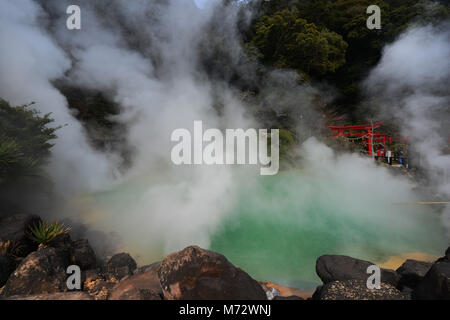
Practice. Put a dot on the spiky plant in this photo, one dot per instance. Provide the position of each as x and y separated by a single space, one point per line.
44 232
11 248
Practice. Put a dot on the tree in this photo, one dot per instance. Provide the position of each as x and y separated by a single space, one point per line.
286 40
24 148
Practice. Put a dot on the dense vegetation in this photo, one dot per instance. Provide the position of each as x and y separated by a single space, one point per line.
25 146
327 40
286 40
24 142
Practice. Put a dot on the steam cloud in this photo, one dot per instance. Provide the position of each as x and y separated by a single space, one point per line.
146 54
411 83
30 60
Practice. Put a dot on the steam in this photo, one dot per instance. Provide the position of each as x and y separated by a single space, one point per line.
411 83
29 61
146 55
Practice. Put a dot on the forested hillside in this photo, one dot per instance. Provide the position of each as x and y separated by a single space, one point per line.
328 40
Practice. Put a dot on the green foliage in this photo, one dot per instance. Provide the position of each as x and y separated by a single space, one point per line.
92 106
11 248
289 41
44 232
286 142
24 143
275 31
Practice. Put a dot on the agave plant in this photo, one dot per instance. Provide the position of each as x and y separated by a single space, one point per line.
10 248
44 232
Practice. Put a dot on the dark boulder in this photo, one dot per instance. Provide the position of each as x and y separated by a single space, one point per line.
198 274
316 294
14 228
42 271
120 266
143 285
412 272
356 290
435 285
7 266
83 255
331 268
445 258
77 295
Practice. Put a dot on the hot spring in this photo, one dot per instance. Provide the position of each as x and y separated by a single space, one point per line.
275 227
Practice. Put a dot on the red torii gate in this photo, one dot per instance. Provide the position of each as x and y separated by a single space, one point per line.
365 131
355 131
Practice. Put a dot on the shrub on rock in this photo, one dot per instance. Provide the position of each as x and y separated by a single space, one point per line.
15 227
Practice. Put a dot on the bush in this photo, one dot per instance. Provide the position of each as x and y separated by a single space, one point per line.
44 232
25 147
11 248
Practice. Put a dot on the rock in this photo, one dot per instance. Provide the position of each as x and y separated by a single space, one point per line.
154 266
331 268
271 292
445 258
435 285
407 292
42 271
412 272
288 298
356 290
7 266
77 295
92 275
14 228
120 266
316 294
96 284
143 285
62 241
197 274
83 255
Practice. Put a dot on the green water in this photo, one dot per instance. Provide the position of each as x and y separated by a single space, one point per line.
280 226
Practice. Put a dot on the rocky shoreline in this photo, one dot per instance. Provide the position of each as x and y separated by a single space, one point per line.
40 273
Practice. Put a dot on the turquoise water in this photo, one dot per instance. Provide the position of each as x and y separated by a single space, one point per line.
280 227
